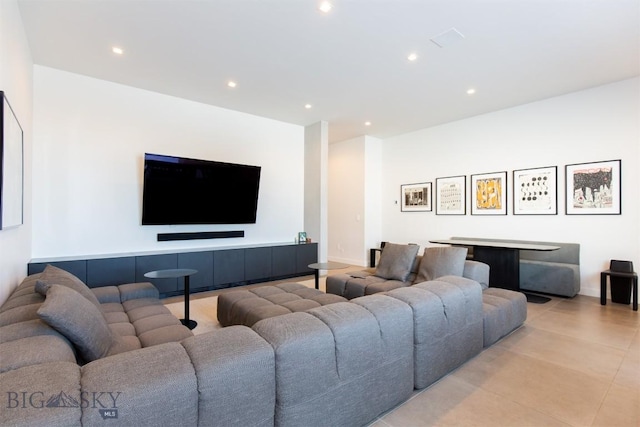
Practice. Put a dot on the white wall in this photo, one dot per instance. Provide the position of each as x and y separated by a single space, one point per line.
591 125
90 137
346 202
355 180
16 80
372 194
316 142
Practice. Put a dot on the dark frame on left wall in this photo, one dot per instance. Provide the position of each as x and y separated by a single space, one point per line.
11 167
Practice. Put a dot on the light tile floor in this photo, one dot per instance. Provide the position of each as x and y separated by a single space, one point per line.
573 363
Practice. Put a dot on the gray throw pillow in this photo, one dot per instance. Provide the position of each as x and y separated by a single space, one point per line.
69 313
441 261
396 261
57 276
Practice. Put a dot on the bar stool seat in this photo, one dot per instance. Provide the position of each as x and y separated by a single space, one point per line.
621 270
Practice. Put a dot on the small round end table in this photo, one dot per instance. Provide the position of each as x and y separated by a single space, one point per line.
317 266
175 273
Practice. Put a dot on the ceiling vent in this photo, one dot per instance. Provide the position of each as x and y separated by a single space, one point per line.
448 38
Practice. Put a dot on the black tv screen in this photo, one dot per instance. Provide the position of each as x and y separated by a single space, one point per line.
179 190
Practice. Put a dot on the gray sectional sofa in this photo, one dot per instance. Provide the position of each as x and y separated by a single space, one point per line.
323 361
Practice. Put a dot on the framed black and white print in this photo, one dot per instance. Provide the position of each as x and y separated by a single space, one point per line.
416 197
489 194
451 195
594 188
535 191
11 167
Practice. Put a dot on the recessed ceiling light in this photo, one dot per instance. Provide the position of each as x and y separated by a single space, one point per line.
307 106
231 83
367 123
471 91
412 56
325 6
117 50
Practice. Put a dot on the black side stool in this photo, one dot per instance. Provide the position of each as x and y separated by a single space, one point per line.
621 276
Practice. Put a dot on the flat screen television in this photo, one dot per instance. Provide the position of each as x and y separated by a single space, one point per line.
179 190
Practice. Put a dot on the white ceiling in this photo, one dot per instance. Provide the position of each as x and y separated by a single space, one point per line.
350 64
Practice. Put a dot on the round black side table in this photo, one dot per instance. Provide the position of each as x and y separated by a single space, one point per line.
317 266
176 273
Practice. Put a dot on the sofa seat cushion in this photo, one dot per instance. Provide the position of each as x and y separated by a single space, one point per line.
111 307
149 323
123 329
107 295
370 285
22 300
78 320
503 311
30 328
138 290
165 334
246 307
34 351
19 314
116 317
122 344
360 283
130 305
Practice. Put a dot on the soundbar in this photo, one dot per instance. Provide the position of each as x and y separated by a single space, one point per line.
166 237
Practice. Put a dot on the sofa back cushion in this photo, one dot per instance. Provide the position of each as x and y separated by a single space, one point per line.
57 276
78 320
396 261
441 261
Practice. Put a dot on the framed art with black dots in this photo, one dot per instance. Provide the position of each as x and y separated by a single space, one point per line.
535 191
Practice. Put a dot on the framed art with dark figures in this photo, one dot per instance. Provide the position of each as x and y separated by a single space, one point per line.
594 188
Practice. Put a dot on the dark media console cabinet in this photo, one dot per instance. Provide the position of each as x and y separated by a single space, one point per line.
218 268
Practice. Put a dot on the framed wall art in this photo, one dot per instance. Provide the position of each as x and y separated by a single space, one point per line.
489 194
451 195
416 197
535 191
594 188
11 167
